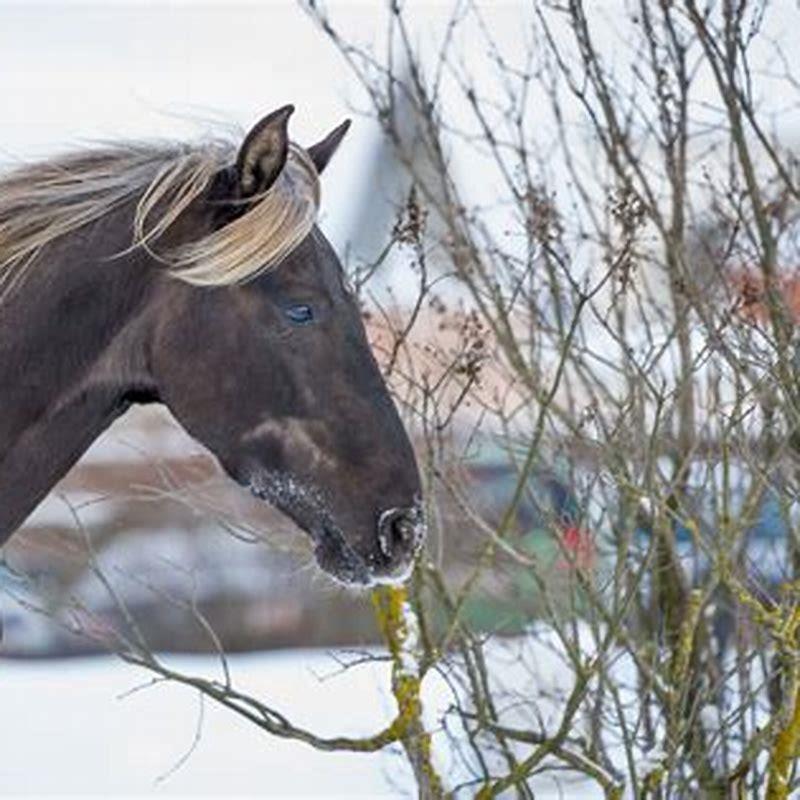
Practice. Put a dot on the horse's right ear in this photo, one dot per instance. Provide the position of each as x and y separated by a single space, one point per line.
263 153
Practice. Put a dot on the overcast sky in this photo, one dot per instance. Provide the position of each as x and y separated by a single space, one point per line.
72 73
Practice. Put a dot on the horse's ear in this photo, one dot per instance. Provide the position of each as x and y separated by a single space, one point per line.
322 151
263 153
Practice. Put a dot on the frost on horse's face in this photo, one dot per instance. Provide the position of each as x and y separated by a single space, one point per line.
231 308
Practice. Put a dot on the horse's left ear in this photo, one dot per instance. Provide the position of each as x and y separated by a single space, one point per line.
264 152
322 151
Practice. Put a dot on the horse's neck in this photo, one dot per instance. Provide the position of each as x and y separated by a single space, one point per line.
70 338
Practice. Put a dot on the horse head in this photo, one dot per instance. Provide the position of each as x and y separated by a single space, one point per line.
273 372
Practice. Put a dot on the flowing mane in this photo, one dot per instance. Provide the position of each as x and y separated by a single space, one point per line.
39 203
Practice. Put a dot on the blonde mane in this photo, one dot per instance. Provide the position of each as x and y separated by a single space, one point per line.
43 202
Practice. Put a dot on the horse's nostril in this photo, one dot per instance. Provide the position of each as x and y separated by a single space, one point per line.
398 534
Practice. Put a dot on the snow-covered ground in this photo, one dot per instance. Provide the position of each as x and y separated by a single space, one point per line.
71 728
98 727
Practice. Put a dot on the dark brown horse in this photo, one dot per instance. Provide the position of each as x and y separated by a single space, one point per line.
196 277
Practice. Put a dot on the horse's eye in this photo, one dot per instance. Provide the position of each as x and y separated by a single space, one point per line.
300 314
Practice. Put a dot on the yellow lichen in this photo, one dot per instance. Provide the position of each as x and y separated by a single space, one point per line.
391 610
784 751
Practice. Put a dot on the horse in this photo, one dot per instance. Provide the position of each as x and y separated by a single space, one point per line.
196 276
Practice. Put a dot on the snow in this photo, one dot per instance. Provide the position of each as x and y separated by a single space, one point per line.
77 727
70 727
409 649
98 727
